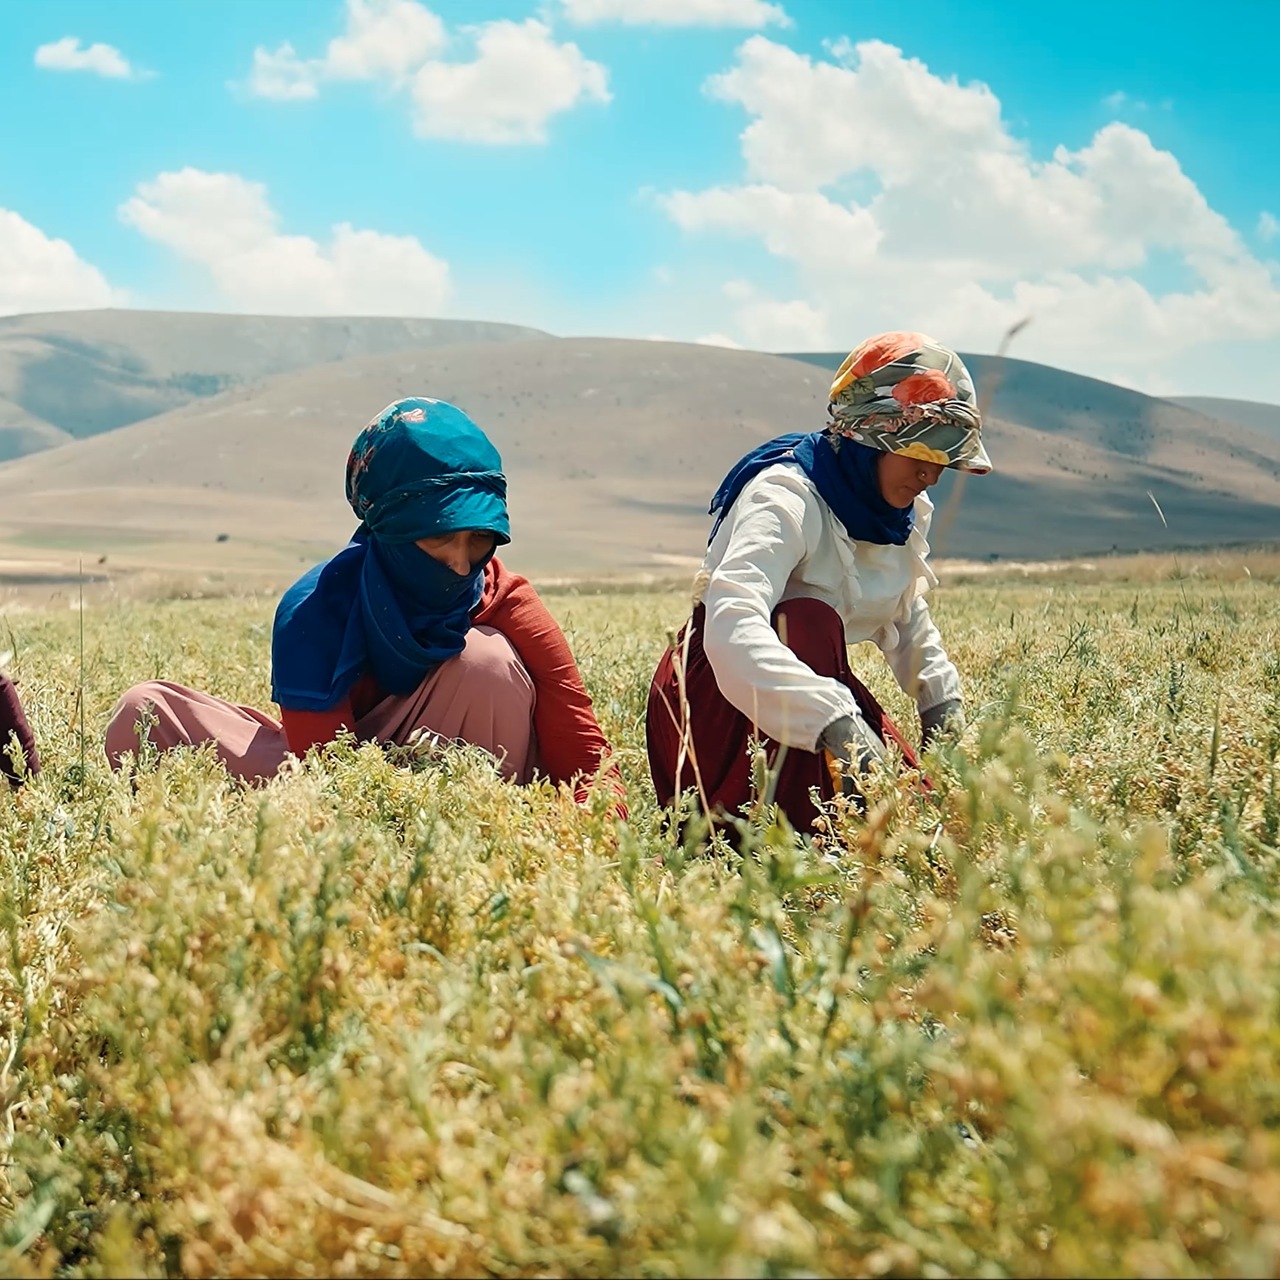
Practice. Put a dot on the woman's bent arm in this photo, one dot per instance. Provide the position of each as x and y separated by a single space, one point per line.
919 662
571 743
769 530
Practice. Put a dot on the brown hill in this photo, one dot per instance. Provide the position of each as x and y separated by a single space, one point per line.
1254 414
613 448
73 374
22 432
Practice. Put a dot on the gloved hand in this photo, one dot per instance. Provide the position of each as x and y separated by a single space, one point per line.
851 747
944 717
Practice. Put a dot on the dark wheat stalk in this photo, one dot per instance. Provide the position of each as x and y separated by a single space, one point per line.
985 400
80 681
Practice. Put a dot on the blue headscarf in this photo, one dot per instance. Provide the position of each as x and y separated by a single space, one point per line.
844 474
382 604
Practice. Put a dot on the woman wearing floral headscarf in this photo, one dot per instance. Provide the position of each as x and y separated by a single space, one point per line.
819 542
413 628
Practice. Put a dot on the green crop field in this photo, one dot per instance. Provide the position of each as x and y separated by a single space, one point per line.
395 1017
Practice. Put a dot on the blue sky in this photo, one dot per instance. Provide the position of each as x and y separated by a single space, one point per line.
789 175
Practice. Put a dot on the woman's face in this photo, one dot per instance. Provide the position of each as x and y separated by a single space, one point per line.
462 550
902 479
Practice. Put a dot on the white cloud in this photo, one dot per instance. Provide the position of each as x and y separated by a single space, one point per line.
1121 101
226 224
284 76
384 39
101 59
1268 226
517 80
960 230
38 273
718 340
677 13
815 122
770 324
791 223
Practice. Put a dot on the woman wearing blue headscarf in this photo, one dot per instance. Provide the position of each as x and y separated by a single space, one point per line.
414 627
819 542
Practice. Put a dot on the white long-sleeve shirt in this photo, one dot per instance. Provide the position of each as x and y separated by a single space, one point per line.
779 541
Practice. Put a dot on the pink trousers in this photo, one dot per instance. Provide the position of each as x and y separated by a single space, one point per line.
483 697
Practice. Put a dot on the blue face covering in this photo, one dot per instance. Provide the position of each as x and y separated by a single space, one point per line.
382 605
844 474
416 612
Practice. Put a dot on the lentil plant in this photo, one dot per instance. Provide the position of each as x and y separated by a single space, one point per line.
395 1017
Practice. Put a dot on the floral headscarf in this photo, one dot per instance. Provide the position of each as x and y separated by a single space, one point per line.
905 393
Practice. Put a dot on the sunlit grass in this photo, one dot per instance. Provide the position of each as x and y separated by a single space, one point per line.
375 1019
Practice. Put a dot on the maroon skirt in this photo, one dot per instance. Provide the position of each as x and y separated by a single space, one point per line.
719 734
14 722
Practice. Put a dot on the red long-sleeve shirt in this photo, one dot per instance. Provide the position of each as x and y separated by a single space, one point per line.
570 741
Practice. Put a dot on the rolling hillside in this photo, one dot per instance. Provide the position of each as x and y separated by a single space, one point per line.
613 448
1262 418
69 375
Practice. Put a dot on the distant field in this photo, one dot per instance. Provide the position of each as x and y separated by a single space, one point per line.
403 1019
36 571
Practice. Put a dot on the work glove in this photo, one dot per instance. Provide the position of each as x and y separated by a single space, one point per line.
850 747
944 717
